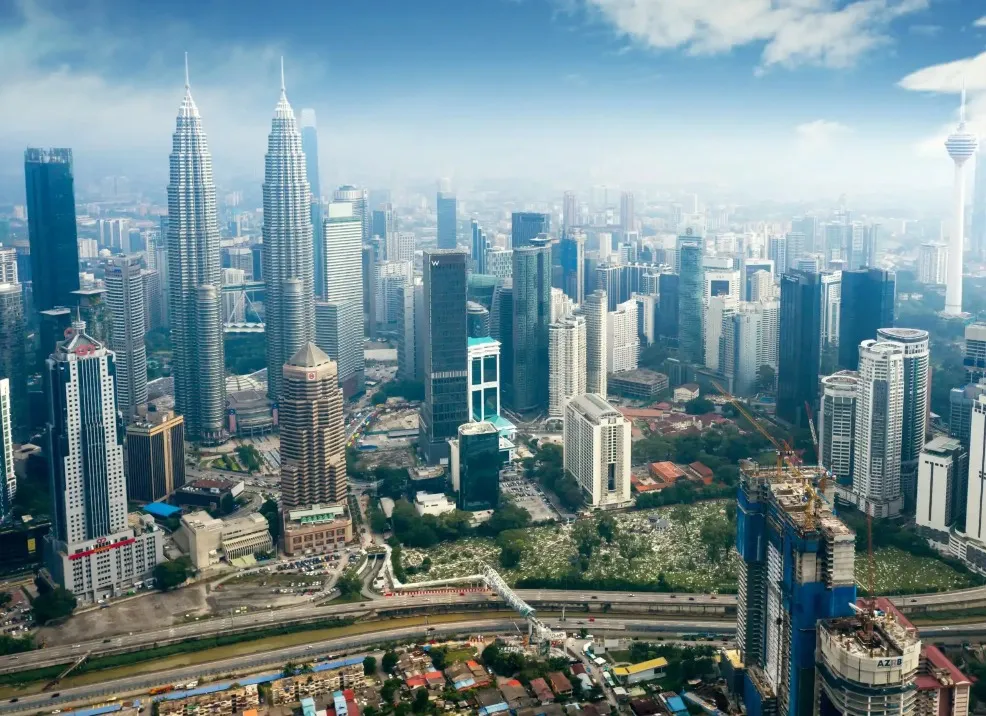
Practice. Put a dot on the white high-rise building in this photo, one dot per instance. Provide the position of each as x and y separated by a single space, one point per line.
628 219
289 320
720 282
933 264
193 281
500 262
561 305
570 211
234 305
917 395
837 423
718 310
961 145
596 442
339 319
939 479
566 361
400 246
975 506
596 341
831 304
359 198
8 477
484 379
646 317
93 550
762 286
8 265
741 347
770 327
879 427
125 298
622 341
392 276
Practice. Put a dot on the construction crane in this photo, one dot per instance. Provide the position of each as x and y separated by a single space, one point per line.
822 472
784 453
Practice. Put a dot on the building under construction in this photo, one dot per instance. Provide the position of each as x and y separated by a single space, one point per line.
867 664
797 570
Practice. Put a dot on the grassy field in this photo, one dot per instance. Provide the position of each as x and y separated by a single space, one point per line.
897 572
639 552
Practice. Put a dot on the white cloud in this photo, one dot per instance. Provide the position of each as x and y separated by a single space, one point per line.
820 133
981 22
828 33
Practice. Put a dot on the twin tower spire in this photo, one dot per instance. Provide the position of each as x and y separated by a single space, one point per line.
284 98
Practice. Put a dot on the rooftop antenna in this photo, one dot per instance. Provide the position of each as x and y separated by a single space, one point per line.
282 74
961 105
187 83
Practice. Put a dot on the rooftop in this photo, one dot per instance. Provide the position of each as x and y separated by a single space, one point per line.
658 663
942 445
640 375
593 406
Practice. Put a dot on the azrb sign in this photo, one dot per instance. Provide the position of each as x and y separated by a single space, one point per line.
889 663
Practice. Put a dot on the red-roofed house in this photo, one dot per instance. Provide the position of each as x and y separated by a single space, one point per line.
559 684
666 472
541 691
703 471
435 679
415 682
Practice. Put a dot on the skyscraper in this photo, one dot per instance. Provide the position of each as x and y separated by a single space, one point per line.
594 308
961 145
8 477
361 206
155 451
532 315
480 244
287 244
406 333
667 307
526 225
780 601
13 357
309 145
502 329
194 280
975 352
628 220
446 403
837 424
690 347
566 354
933 262
917 395
475 463
125 297
339 319
448 219
975 504
91 548
622 339
867 305
942 474
879 427
799 355
831 307
572 249
50 186
313 434
596 441
569 212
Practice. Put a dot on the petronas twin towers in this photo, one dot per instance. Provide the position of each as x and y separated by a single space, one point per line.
194 292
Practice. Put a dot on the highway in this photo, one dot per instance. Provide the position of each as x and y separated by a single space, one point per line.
688 605
276 659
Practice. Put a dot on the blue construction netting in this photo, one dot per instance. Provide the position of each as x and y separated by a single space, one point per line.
96 711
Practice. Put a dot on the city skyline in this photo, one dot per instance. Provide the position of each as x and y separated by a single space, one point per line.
847 92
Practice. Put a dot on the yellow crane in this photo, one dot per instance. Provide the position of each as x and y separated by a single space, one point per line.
784 452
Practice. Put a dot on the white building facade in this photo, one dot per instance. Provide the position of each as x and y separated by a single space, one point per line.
622 341
566 360
597 450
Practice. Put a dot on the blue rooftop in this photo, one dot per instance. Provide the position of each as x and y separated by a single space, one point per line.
162 510
485 340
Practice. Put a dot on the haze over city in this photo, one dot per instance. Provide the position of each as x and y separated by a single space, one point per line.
786 101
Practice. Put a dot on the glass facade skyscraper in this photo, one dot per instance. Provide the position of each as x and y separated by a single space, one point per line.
446 403
526 225
690 280
799 354
448 219
867 305
478 448
50 186
532 316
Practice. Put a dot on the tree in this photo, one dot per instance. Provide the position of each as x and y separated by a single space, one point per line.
420 704
389 661
5 599
510 554
606 527
438 656
53 605
227 505
369 666
270 510
717 535
168 575
699 406
289 669
508 516
349 585
766 379
378 398
390 687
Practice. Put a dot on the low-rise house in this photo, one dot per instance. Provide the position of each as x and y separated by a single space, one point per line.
217 703
560 684
292 689
542 692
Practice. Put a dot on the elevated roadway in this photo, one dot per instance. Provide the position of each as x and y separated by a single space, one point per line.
685 606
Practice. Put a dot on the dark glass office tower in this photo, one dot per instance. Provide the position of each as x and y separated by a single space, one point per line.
478 466
13 358
690 345
502 329
526 225
51 226
532 316
446 404
868 297
309 145
480 245
572 248
448 217
667 306
799 353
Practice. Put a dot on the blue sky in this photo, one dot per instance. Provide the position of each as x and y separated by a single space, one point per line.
788 96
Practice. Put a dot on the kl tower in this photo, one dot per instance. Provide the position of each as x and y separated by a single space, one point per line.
961 145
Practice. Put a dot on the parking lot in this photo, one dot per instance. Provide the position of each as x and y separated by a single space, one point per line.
526 494
15 614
